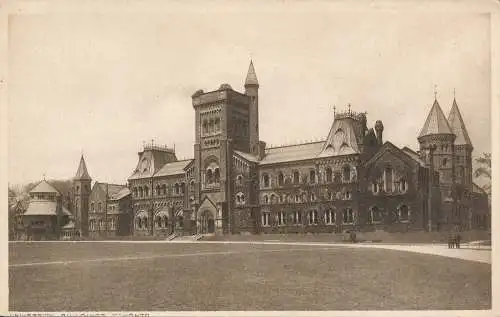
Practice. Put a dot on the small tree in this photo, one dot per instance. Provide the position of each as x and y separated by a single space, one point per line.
483 171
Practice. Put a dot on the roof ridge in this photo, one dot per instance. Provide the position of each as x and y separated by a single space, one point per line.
290 145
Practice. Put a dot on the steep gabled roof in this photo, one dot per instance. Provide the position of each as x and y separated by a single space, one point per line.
414 155
82 173
389 147
251 76
458 126
436 122
341 139
44 187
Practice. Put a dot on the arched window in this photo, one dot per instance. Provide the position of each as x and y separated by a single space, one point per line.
205 126
158 190
164 189
165 221
135 191
145 222
239 180
158 222
191 185
404 213
388 179
141 192
211 126
273 198
328 174
266 217
444 162
312 176
99 207
146 191
217 124
375 188
209 177
217 175
266 199
183 188
346 173
297 218
101 224
281 218
347 195
404 185
313 217
92 207
375 215
281 179
138 222
347 216
296 177
265 180
329 217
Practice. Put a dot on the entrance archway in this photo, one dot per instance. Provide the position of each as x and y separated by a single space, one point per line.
207 222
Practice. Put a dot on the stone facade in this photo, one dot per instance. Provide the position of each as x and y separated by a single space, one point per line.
351 180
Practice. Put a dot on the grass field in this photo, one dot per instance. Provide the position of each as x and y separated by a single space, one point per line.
167 276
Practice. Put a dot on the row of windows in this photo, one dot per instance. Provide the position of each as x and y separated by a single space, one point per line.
302 198
330 216
283 218
346 175
211 125
160 222
94 225
177 189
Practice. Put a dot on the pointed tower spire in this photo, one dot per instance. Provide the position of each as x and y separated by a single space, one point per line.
82 173
251 79
458 126
436 122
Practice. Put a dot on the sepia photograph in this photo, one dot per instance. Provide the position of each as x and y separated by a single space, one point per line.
226 156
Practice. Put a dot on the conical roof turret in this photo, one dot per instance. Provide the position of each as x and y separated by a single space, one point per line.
82 173
251 79
436 122
458 126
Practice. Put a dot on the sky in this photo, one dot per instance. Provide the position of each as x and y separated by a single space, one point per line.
102 83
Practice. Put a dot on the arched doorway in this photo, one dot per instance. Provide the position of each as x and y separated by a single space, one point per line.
207 222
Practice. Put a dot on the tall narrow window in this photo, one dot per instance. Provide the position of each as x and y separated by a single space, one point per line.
313 217
329 217
281 179
403 213
146 191
217 175
297 218
312 176
328 174
296 177
265 179
375 215
209 177
348 216
266 219
281 218
388 179
346 171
